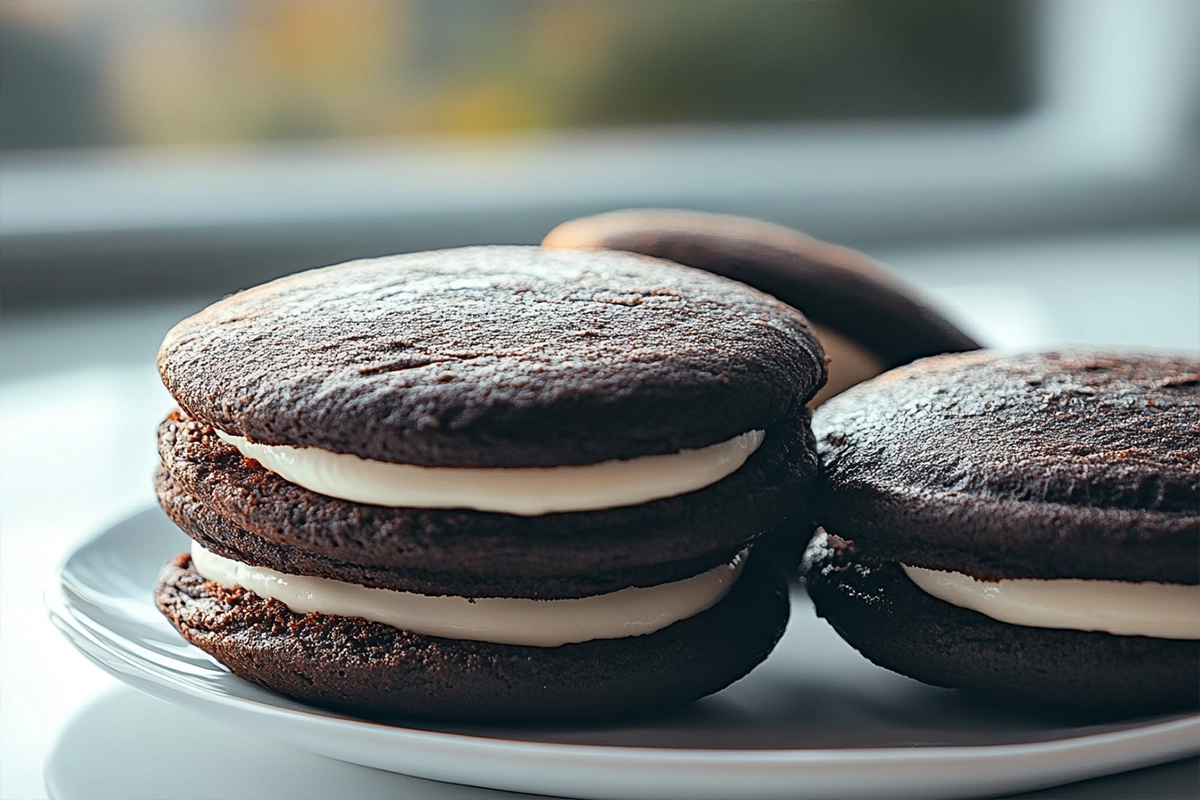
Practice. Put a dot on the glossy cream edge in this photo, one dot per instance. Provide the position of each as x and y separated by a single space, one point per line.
1156 610
522 491
634 611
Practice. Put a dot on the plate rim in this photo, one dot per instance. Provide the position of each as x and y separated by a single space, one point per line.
1161 740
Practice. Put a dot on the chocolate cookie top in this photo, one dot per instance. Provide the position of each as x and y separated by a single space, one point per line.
1053 465
494 356
834 286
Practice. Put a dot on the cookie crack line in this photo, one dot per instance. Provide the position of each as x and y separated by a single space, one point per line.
418 363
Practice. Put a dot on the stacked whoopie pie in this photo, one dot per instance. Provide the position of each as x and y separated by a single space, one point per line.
490 483
1026 526
868 319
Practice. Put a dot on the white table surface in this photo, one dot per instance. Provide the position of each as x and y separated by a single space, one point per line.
79 403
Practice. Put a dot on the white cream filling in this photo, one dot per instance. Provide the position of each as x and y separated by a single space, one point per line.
527 491
849 364
503 620
1160 610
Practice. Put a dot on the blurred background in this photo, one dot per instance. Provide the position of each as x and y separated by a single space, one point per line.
153 148
1034 165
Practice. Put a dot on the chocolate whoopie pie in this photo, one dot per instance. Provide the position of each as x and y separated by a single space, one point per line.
868 319
499 483
1026 526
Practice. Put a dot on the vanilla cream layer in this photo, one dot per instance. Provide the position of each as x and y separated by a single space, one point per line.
1160 610
527 491
503 620
849 364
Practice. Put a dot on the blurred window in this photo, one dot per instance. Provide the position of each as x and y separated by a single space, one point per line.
75 73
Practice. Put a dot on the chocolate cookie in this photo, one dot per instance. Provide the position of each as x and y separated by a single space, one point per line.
494 357
489 483
869 320
377 671
237 508
995 522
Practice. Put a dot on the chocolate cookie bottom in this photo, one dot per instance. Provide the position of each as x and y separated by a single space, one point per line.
876 608
368 669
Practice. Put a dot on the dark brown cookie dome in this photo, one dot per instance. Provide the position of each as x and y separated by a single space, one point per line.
494 356
834 286
1056 465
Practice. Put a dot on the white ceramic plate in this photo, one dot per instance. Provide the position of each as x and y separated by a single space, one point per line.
815 720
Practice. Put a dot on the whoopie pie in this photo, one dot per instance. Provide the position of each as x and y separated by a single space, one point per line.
1023 526
502 483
